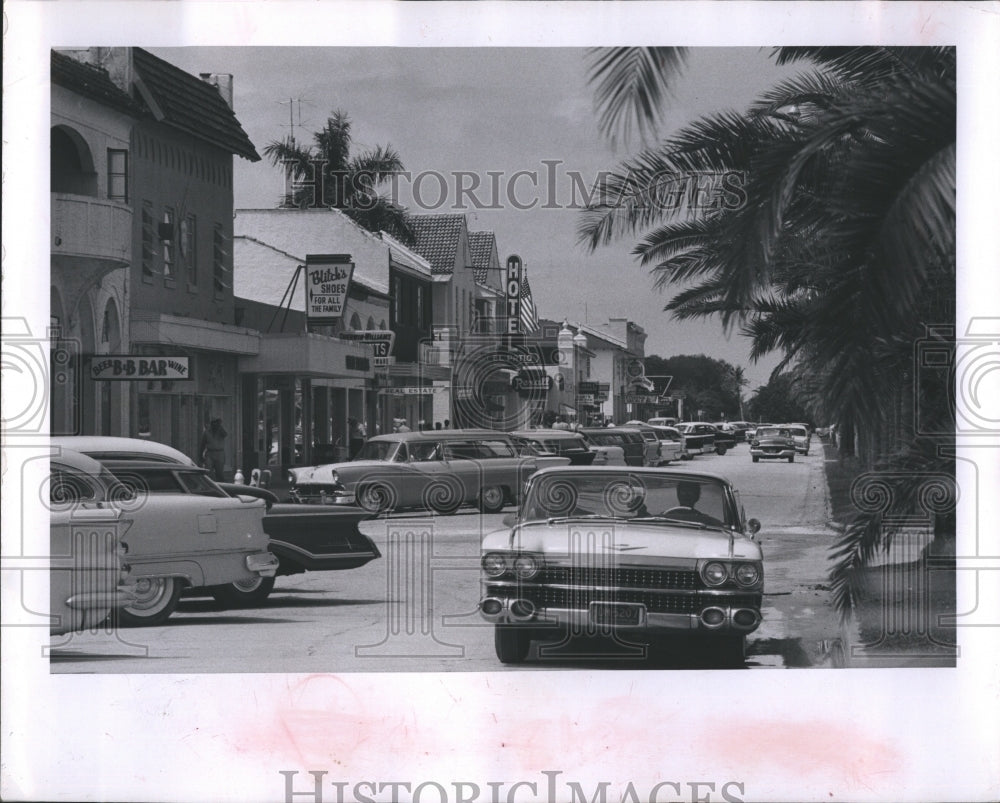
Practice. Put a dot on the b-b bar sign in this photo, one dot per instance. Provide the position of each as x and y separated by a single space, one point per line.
126 367
328 278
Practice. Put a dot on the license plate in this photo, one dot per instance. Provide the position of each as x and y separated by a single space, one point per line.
612 613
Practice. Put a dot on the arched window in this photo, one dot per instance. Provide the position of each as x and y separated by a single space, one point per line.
71 163
371 323
355 322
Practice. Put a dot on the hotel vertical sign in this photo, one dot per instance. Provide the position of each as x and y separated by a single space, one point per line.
514 271
328 279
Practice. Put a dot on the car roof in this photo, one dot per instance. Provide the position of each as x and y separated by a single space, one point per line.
76 460
121 448
546 433
644 471
439 434
150 465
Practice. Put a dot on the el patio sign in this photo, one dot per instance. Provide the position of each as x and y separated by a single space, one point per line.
126 367
328 279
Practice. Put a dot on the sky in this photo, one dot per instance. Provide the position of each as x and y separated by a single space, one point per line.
491 110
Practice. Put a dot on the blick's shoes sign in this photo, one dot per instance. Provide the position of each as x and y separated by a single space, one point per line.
125 367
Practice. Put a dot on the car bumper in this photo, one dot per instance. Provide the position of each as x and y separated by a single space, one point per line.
783 454
263 563
323 499
654 623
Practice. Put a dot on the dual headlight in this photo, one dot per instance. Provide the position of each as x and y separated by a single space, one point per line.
715 573
523 566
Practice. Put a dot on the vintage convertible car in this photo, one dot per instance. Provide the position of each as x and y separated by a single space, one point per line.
646 555
302 538
439 471
772 443
88 573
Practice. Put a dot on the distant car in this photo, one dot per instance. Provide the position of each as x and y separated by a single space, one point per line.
89 576
558 442
772 443
303 538
699 437
671 441
630 440
662 421
439 471
675 557
740 429
801 438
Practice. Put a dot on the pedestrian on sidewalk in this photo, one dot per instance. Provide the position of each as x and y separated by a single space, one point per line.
212 449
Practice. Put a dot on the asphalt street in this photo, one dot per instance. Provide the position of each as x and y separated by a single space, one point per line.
415 609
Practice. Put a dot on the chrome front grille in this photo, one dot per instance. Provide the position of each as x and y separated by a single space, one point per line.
621 577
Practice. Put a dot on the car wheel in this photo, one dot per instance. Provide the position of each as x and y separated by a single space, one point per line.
756 459
791 459
442 497
686 456
720 450
156 599
245 593
492 499
377 498
512 643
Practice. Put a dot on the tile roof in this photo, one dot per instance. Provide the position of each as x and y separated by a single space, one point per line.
91 81
437 239
481 244
193 105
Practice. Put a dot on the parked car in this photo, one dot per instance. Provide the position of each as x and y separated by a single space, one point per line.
740 429
651 453
88 573
556 442
670 440
772 443
604 454
675 557
193 535
630 440
302 537
699 438
662 421
439 471
800 437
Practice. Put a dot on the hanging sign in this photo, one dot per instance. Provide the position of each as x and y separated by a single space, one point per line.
514 273
380 340
328 278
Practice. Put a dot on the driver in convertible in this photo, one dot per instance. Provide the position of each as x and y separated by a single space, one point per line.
688 494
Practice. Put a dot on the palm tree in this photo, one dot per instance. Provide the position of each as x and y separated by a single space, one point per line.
841 243
348 183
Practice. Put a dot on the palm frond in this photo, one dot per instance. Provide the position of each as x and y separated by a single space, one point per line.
630 86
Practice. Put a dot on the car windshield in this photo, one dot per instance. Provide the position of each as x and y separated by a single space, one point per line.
654 498
772 432
604 438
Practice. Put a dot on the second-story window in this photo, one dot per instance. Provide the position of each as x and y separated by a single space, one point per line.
188 251
397 301
148 247
168 233
420 307
219 254
118 175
